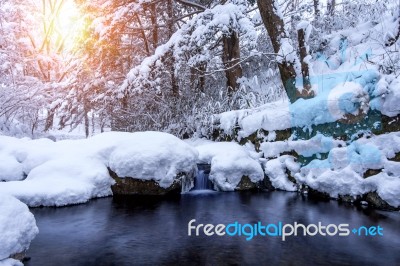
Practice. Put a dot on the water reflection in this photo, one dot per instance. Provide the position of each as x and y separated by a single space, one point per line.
152 231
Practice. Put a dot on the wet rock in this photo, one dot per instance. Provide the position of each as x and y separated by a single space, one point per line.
19 256
246 184
372 172
266 183
396 158
317 195
134 186
376 201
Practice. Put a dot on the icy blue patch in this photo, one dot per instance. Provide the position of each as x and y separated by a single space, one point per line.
346 103
321 164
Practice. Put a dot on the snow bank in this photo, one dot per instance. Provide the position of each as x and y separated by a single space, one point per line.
327 107
74 171
316 145
270 117
153 156
342 173
229 163
17 228
10 168
277 172
10 262
349 78
60 182
353 76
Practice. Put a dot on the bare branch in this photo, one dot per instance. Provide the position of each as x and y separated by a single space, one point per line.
189 3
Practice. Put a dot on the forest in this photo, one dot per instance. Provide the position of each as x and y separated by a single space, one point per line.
163 65
154 120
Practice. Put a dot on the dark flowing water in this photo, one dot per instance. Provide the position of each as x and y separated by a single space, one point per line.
145 231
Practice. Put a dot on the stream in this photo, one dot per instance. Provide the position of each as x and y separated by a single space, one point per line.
148 231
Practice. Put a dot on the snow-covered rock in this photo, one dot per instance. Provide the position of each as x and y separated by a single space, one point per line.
10 262
277 171
17 228
153 156
230 163
307 148
10 168
344 171
74 171
61 182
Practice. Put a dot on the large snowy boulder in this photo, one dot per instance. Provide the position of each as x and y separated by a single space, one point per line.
75 171
280 172
61 182
152 163
17 228
366 169
233 167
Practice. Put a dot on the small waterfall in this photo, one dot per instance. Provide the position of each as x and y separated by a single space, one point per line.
201 181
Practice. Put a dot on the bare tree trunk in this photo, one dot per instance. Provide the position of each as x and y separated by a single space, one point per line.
197 76
304 65
153 9
317 12
231 60
143 33
86 119
273 21
331 7
170 12
202 78
276 31
50 117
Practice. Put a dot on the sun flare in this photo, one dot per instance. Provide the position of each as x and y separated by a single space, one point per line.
67 18
62 22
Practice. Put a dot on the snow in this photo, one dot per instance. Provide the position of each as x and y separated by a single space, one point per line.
387 187
74 171
229 163
17 228
197 34
307 148
60 182
276 169
10 169
346 77
335 183
153 156
286 52
306 27
270 117
10 262
345 98
342 173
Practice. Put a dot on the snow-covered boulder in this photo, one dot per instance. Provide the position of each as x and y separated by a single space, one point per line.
346 173
74 171
232 166
280 172
10 168
17 228
10 262
61 182
152 163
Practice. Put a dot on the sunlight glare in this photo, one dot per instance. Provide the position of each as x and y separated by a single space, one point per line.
64 15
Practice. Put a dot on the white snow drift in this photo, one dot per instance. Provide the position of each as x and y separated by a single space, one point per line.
229 163
17 228
342 173
74 171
